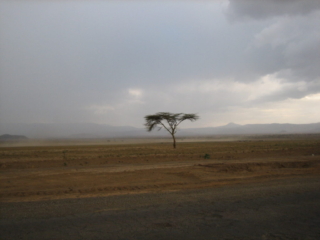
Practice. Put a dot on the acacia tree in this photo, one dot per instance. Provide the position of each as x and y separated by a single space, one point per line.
172 121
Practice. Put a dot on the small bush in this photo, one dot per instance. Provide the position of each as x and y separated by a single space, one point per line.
206 156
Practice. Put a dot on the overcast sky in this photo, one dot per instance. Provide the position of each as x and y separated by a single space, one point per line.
113 62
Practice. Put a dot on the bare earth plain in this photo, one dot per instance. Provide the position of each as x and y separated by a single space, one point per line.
132 175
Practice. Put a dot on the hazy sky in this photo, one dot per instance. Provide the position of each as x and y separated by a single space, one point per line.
113 62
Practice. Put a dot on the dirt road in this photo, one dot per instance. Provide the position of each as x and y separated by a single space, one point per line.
275 209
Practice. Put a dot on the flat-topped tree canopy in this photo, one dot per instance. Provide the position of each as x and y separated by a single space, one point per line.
169 121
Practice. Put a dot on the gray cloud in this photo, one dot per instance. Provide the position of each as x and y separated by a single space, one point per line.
295 42
260 9
114 62
288 45
292 91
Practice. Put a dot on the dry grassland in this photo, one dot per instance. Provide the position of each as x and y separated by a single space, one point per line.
32 173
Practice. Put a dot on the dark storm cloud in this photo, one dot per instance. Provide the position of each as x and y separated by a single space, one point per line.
287 46
291 41
260 9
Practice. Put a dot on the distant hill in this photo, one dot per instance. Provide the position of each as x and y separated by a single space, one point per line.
8 137
274 128
91 130
231 125
68 130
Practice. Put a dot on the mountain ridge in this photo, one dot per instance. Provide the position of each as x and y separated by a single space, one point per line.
9 137
93 130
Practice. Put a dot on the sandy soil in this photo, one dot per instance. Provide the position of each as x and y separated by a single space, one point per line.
57 172
245 189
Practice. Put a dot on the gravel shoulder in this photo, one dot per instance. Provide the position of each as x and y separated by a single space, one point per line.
287 208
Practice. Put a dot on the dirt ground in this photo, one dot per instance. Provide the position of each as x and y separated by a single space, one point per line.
61 171
243 187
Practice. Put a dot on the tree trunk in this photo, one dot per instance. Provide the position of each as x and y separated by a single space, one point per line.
174 141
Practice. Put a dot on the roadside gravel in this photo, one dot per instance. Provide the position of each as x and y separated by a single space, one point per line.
279 209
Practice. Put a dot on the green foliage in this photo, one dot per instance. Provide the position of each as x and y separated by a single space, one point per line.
206 156
169 121
172 120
